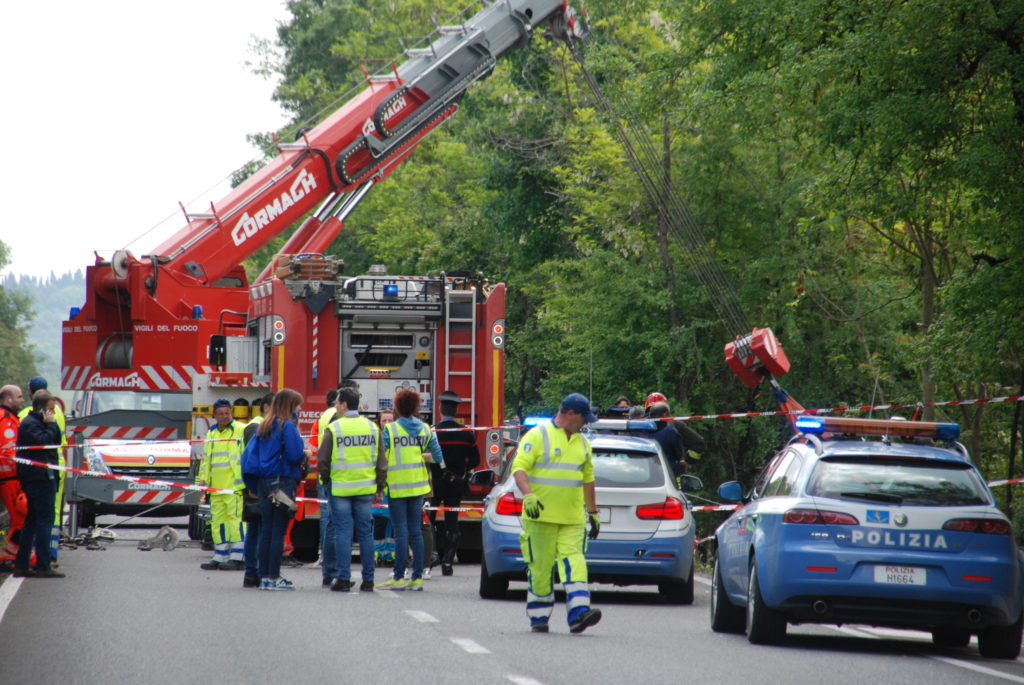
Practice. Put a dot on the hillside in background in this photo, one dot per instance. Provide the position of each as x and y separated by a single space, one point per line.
51 297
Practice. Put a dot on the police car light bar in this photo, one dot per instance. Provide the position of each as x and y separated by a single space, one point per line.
818 425
531 421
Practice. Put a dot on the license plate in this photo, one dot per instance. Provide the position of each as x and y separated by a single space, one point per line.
900 575
605 514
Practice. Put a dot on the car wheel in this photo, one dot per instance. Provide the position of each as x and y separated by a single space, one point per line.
1001 642
491 588
678 591
765 626
951 637
726 617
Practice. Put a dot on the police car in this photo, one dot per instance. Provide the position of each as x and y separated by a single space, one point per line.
647 526
884 523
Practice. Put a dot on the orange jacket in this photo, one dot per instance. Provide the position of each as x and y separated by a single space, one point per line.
8 443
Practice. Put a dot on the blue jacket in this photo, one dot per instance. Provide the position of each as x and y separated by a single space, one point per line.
277 455
34 432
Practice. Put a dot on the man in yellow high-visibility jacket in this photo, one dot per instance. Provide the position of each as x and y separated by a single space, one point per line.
554 471
221 468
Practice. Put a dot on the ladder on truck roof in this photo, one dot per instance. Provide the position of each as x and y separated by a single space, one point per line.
460 320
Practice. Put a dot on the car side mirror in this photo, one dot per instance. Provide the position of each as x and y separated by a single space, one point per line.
485 478
688 483
731 491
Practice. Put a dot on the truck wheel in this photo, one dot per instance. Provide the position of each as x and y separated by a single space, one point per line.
726 617
306 539
195 526
678 591
491 588
1001 642
86 516
765 626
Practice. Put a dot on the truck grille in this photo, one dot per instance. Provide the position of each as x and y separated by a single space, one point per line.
174 474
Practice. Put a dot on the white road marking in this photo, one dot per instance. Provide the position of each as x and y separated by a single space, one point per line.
421 616
8 589
469 646
390 594
523 680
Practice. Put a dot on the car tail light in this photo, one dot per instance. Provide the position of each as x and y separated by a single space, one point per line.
819 516
509 505
669 510
990 526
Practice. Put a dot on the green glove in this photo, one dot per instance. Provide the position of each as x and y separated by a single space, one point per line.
693 455
532 505
595 526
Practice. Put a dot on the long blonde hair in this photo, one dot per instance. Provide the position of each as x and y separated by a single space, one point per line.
286 401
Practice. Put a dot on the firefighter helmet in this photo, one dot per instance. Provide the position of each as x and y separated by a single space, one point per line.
654 397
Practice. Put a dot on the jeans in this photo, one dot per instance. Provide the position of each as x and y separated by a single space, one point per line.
407 519
346 511
328 545
252 548
36 531
272 526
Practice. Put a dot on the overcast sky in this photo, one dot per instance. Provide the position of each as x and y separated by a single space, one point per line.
115 110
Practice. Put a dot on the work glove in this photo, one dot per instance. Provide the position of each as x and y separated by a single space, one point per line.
692 455
595 526
532 505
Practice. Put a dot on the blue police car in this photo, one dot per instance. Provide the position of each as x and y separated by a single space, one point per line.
884 523
647 526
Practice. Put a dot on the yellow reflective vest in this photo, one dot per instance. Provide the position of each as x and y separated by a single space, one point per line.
221 465
407 470
557 466
353 456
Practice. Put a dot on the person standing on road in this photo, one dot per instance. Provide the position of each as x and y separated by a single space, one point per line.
353 470
11 402
554 471
39 383
328 560
461 456
39 484
221 468
408 445
270 465
251 518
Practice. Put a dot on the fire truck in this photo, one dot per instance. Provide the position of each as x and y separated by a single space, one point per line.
155 327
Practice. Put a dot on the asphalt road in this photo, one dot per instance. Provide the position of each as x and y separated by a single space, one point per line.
127 616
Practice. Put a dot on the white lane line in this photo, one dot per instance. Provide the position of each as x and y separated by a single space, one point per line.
469 646
7 592
421 616
523 680
390 594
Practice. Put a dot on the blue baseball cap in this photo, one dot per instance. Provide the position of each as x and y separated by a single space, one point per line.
579 404
36 383
221 403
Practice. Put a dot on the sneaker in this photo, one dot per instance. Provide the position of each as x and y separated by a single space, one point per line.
326 581
290 562
210 565
415 585
366 586
233 566
266 584
23 572
539 626
340 585
49 573
393 584
281 584
250 580
586 619
426 574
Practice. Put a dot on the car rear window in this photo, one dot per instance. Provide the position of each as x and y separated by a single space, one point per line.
628 469
897 481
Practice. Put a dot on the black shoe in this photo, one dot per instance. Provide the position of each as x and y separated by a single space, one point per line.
366 586
588 618
233 566
447 570
340 585
250 580
326 581
23 572
48 573
541 627
210 565
290 562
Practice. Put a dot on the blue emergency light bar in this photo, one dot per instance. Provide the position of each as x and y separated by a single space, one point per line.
531 421
817 425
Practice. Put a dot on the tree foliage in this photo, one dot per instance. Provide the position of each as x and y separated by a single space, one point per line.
17 356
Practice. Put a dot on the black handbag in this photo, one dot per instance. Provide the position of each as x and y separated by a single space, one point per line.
250 507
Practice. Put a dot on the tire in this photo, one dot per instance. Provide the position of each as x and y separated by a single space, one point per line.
678 591
470 556
86 516
764 626
726 617
195 526
951 637
306 539
1001 642
491 588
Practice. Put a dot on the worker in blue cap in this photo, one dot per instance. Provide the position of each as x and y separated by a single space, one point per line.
554 471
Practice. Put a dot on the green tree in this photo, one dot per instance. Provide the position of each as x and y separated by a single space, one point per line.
17 358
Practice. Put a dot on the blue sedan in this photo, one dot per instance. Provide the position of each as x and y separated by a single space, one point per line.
884 523
647 526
